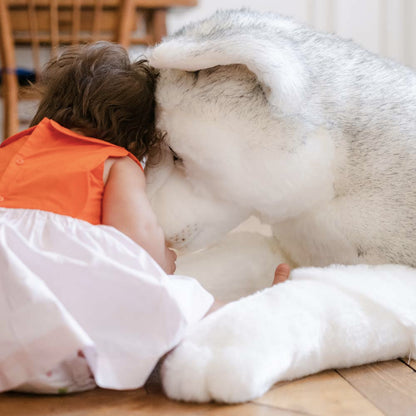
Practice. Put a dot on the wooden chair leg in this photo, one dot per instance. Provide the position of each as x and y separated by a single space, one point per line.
10 104
127 15
159 25
9 76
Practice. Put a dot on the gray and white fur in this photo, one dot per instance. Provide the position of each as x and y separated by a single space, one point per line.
310 132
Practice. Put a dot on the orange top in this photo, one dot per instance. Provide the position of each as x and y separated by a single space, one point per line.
51 168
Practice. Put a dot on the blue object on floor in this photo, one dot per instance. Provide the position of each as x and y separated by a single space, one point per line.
24 76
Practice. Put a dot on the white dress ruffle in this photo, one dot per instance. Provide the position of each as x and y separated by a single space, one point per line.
69 287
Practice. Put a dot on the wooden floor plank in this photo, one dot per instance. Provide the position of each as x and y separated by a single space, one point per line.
249 409
111 403
324 394
101 402
412 363
383 388
96 402
389 385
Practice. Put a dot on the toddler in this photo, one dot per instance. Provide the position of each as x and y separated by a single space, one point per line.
86 298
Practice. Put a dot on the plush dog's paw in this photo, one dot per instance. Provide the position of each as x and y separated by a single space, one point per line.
184 373
228 357
291 330
200 374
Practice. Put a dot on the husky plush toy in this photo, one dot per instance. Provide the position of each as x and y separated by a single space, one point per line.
316 137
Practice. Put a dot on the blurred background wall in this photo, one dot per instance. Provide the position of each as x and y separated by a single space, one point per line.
386 27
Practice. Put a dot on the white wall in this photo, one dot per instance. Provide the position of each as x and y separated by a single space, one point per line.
387 27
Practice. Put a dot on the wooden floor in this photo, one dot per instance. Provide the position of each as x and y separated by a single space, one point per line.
387 388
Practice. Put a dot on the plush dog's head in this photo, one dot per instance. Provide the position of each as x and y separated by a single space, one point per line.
235 143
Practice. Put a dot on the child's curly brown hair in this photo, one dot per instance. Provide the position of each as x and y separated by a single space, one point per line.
97 90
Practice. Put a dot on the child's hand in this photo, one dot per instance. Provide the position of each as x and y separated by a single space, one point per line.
281 274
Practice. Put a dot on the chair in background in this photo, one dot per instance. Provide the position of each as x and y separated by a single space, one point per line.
37 25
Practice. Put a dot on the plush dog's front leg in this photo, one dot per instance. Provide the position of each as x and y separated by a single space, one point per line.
238 265
323 318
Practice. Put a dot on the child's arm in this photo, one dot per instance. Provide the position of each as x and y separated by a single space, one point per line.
126 207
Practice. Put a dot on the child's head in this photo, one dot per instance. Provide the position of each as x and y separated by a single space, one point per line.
96 89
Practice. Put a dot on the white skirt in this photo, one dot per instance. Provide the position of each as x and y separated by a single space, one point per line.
70 288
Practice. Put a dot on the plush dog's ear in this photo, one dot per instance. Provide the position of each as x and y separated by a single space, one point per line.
204 45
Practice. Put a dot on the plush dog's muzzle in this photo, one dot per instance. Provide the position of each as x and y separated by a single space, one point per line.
191 220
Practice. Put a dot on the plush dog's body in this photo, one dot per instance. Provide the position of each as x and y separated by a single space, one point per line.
311 133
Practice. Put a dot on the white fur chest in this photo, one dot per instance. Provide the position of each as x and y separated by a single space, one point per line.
354 229
316 239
